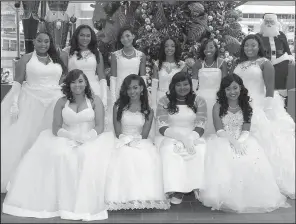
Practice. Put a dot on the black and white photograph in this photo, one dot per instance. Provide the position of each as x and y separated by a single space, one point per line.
148 111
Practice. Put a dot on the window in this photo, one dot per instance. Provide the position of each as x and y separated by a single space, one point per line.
22 45
245 15
13 45
259 16
5 45
251 15
290 28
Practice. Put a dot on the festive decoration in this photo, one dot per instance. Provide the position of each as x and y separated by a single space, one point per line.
189 22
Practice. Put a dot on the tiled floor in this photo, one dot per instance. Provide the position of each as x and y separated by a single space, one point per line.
190 211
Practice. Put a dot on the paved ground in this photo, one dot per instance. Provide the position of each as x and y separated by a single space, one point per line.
190 211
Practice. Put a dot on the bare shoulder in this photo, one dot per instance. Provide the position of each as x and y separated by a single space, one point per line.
216 107
97 101
25 58
61 102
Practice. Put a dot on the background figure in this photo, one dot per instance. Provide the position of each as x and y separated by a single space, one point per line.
277 50
167 65
27 109
271 124
63 173
238 175
181 118
83 53
208 72
134 178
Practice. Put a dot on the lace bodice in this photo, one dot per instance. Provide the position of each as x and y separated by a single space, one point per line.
185 118
167 71
80 122
88 64
41 75
232 123
209 78
126 66
132 123
252 76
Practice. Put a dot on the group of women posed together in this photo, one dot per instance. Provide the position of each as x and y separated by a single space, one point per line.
225 137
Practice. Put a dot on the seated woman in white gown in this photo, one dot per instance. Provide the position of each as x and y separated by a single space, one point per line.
209 71
63 173
134 177
181 118
27 109
273 127
167 65
83 54
238 175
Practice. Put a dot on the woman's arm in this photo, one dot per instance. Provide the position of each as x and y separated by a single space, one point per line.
268 76
143 65
195 69
201 115
64 57
216 118
20 68
113 65
99 115
155 71
57 122
147 126
116 123
223 68
100 68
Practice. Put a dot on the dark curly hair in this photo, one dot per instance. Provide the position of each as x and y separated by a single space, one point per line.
243 99
119 45
123 101
71 77
53 53
203 47
92 46
162 55
172 95
261 53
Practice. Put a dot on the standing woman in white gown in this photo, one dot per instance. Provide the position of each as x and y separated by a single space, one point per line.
168 64
125 61
27 109
181 118
134 177
83 54
63 173
272 125
209 71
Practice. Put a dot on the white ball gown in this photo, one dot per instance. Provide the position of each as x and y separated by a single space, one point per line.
181 172
36 102
209 84
165 75
278 136
134 177
57 177
239 183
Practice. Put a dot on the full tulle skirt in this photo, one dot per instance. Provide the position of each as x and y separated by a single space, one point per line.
134 178
57 177
239 183
36 114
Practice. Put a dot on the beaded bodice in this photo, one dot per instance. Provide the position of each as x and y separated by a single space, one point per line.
132 123
232 123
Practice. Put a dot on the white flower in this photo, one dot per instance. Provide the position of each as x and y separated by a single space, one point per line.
147 20
210 18
216 40
148 27
211 28
226 54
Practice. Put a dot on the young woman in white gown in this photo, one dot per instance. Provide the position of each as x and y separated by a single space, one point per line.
209 71
238 175
63 173
134 177
27 108
181 118
167 65
83 54
273 126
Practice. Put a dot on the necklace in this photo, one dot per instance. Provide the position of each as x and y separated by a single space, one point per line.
234 108
42 56
209 65
181 99
128 55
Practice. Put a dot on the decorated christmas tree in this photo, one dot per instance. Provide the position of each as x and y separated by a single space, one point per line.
189 22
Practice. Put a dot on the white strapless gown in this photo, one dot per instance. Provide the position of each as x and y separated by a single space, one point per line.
277 137
243 184
58 178
134 177
37 99
209 84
